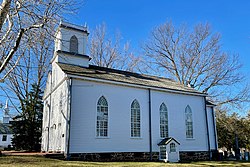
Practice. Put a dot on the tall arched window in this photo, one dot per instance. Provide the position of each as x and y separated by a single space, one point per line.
135 119
189 122
102 118
73 44
163 121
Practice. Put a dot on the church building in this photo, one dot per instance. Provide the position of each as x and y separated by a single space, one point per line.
96 113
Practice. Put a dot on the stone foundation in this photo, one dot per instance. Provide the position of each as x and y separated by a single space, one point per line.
137 156
194 156
117 156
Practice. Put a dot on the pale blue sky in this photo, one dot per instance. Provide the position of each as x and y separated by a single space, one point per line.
136 18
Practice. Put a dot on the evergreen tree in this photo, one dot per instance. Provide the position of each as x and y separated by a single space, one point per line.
27 126
228 126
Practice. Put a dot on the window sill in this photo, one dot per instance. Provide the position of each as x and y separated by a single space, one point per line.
190 138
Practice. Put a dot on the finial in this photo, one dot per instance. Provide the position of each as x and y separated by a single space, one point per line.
6 108
85 26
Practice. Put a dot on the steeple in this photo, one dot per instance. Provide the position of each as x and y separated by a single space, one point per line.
6 117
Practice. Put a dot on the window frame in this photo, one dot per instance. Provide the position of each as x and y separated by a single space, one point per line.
163 152
172 147
4 138
189 125
135 126
163 134
103 121
74 44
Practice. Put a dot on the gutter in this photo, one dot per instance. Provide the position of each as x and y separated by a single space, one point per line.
150 124
49 110
208 139
69 117
215 132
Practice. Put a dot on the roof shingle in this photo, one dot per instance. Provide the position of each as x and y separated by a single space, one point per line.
126 77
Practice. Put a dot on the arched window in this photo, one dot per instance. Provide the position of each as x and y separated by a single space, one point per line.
135 119
102 118
73 44
163 121
189 122
172 147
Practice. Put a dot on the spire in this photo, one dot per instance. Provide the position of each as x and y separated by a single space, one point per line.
85 26
6 117
6 108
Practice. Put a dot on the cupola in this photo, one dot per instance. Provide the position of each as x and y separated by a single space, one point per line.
71 44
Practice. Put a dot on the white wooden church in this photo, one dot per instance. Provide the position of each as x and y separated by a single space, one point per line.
96 113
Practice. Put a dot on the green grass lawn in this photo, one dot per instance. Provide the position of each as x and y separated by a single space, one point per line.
28 161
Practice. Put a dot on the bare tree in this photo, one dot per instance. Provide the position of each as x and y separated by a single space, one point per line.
195 58
32 68
26 44
109 51
19 19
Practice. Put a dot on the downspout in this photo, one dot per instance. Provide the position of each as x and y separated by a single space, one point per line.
208 140
150 128
69 119
49 110
215 132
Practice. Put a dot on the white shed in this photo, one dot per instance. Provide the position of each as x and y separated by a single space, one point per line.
6 132
6 135
169 150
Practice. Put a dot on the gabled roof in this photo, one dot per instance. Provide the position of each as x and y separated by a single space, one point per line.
5 128
166 141
109 74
